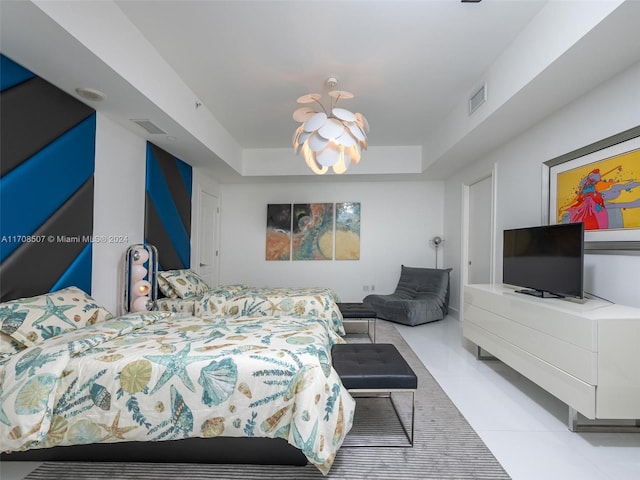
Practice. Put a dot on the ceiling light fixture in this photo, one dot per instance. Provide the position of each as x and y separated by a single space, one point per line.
334 137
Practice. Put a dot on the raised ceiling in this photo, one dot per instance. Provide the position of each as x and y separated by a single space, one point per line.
221 77
406 62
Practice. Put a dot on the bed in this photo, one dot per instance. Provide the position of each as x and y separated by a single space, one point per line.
79 377
186 292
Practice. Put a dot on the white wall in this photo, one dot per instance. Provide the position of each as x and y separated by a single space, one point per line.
118 211
398 218
397 221
607 110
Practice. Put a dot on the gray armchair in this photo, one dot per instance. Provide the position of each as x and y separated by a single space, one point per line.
422 296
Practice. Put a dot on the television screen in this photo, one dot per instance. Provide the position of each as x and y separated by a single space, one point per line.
546 259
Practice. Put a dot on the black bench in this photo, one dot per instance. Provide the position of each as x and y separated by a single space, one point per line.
368 369
357 312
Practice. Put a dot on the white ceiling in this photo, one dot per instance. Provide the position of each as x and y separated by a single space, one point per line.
409 64
406 62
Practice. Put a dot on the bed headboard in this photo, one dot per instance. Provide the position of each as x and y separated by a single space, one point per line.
168 208
47 145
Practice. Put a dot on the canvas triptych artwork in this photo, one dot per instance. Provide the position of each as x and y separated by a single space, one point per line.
313 231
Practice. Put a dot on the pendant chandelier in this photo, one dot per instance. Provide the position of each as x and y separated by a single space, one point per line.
333 137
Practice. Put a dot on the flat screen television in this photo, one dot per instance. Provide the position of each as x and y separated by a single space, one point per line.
548 261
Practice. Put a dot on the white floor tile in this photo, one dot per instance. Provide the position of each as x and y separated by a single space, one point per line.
540 455
524 426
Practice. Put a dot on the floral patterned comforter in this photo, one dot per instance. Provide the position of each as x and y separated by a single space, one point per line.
159 376
315 302
176 305
188 305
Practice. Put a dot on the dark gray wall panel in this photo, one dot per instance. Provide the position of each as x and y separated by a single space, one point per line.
34 268
47 140
32 115
168 208
156 235
179 194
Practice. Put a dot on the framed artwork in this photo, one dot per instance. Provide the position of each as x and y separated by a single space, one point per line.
312 237
278 231
348 231
598 185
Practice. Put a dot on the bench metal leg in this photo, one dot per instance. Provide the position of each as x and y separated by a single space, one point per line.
369 322
413 416
409 431
351 323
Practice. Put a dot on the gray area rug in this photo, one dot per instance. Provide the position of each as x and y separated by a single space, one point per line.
445 445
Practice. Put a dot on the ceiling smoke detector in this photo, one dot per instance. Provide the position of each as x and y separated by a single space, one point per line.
91 94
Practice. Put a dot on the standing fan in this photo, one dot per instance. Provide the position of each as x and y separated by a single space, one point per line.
436 242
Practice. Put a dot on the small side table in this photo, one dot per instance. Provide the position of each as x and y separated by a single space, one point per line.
357 313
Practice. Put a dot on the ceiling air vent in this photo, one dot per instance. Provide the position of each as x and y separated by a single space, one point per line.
478 98
149 126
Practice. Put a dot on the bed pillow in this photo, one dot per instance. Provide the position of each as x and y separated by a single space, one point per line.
30 321
165 287
186 283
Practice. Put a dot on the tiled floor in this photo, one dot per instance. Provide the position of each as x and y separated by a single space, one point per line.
523 425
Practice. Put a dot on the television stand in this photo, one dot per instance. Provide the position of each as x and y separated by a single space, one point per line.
539 293
585 354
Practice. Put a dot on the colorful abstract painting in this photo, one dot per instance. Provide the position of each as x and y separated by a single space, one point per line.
348 231
278 231
312 231
603 194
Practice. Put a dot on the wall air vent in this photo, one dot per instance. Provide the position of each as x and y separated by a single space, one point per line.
149 126
478 98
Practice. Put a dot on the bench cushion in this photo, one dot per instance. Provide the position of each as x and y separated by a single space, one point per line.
356 310
376 366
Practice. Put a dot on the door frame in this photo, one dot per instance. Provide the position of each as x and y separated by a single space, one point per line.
203 183
464 233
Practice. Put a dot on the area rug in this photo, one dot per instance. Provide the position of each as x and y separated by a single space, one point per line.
445 445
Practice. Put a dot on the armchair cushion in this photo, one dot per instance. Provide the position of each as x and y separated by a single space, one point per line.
421 296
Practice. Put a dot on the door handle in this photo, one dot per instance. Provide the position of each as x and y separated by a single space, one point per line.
204 265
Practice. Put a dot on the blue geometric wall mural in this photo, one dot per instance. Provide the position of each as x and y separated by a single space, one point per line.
47 146
168 208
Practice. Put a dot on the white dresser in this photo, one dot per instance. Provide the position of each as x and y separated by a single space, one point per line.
586 354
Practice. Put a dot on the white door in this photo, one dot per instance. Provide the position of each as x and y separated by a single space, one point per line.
480 208
207 237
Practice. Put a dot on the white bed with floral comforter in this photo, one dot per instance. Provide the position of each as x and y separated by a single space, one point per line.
186 292
315 302
161 376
